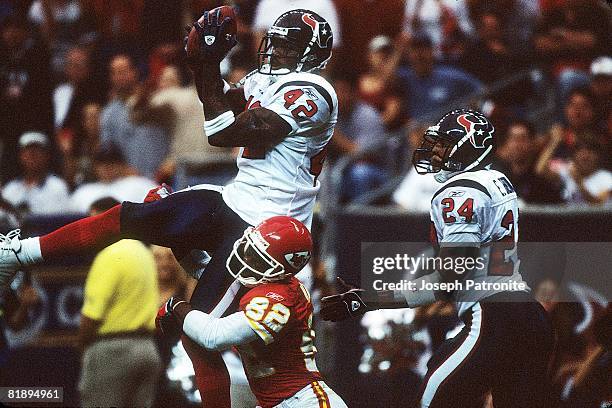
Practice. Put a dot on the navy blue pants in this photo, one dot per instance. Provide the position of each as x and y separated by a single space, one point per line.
185 220
505 348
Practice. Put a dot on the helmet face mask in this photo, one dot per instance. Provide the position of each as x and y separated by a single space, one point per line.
298 41
273 251
433 154
277 56
251 265
461 141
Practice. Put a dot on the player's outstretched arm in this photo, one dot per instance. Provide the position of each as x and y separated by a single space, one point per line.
352 303
211 333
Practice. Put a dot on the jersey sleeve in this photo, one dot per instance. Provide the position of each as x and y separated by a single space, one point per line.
302 104
268 311
246 83
458 213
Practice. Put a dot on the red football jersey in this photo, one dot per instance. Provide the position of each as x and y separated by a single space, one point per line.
283 364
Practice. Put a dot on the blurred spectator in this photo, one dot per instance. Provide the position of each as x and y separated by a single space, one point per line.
121 364
378 85
521 22
37 191
25 89
569 36
491 58
161 57
583 179
78 167
16 303
518 154
356 34
582 325
416 190
429 87
63 23
359 134
580 124
117 22
520 16
69 96
187 135
166 17
601 86
115 179
69 99
130 123
439 20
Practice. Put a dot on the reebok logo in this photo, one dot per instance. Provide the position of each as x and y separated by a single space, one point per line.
354 305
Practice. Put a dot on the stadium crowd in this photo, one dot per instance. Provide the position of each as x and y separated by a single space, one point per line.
96 101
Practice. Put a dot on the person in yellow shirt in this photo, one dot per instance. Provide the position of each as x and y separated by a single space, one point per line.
121 363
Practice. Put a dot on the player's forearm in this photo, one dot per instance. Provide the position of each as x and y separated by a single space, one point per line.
401 299
218 333
259 128
212 96
220 124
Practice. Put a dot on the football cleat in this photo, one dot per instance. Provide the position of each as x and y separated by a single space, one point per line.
10 245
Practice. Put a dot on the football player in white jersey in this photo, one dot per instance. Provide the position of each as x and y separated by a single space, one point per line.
507 341
288 121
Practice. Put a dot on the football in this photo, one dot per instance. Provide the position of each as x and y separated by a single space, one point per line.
192 46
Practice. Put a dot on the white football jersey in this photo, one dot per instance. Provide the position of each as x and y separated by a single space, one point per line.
283 180
479 208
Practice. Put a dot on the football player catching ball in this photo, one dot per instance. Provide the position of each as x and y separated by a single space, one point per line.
283 131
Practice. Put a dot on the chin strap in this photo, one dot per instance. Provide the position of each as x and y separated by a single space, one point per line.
444 175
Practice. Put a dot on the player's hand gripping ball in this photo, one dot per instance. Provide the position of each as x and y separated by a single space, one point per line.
212 36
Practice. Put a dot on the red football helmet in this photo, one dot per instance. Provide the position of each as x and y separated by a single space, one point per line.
277 248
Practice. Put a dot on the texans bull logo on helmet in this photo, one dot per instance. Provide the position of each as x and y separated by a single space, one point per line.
320 30
478 129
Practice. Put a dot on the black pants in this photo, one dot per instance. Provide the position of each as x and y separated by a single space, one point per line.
191 219
505 348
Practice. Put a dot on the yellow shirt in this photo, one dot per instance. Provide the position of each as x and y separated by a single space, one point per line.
121 288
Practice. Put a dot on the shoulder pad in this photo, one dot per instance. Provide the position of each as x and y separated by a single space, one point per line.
459 183
304 80
244 79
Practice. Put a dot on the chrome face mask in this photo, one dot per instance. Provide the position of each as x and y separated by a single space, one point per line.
277 54
421 158
251 265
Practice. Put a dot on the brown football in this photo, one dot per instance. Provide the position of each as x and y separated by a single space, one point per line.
193 40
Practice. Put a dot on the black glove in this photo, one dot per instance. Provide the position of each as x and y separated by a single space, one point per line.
166 323
216 40
340 307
